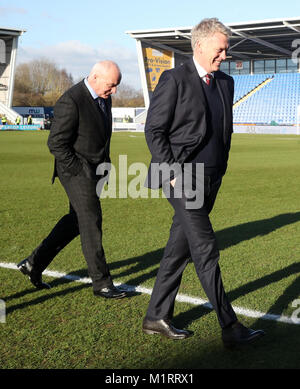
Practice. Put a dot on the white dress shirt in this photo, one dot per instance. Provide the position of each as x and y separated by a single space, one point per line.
201 71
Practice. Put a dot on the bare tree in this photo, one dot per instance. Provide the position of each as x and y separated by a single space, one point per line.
40 82
127 96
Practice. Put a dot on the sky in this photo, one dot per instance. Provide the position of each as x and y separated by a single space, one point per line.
76 34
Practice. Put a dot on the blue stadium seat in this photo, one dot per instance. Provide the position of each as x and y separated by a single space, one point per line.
277 101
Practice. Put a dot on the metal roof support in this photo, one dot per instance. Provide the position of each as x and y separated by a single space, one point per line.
263 43
12 70
139 50
155 45
295 28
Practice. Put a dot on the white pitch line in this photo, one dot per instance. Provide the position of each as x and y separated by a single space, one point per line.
180 297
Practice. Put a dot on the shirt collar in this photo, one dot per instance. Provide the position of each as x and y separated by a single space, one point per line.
201 71
91 90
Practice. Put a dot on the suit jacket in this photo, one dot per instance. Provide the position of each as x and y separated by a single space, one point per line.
79 131
177 117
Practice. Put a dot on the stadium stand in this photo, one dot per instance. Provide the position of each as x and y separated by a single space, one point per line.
279 97
263 58
243 84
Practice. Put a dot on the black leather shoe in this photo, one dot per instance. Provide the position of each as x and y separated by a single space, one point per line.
110 292
35 277
165 328
238 334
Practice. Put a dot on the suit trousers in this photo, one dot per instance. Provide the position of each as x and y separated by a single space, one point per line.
84 218
191 236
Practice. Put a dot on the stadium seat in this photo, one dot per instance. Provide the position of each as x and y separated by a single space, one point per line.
276 101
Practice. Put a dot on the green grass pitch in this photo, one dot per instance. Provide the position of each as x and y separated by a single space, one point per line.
257 222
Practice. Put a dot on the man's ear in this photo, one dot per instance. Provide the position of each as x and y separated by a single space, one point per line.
199 47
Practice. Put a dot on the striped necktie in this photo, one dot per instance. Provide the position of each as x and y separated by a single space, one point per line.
208 78
102 105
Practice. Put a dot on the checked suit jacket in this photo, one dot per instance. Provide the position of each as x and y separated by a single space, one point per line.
177 117
79 132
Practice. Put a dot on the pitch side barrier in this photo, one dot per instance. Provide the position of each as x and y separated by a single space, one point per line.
260 129
20 127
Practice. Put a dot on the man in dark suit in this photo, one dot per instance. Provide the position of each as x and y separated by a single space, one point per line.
79 140
189 121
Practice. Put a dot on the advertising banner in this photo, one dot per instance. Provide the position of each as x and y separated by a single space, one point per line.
156 62
239 65
21 127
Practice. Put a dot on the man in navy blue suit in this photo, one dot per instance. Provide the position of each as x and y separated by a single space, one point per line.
190 121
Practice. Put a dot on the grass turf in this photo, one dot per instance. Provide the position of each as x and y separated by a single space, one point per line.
257 222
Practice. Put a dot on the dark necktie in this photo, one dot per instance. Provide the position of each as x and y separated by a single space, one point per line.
208 78
102 106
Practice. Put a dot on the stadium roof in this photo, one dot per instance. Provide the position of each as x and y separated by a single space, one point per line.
270 38
11 31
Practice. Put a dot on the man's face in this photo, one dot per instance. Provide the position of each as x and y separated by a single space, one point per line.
106 83
212 51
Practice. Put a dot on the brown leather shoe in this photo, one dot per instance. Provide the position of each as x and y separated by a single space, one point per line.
35 277
237 334
165 328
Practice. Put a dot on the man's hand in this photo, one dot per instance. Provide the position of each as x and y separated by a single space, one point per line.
173 182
